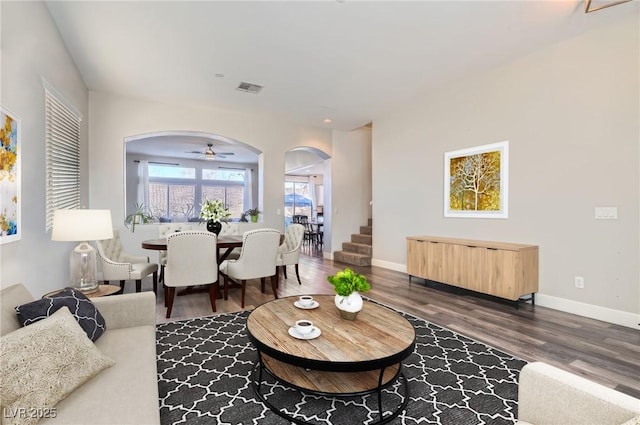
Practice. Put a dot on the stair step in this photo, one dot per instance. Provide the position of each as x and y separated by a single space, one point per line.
363 239
352 258
358 248
366 230
370 222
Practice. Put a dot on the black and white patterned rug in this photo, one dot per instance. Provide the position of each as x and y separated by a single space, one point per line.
204 377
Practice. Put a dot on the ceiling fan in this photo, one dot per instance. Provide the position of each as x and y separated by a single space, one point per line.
210 155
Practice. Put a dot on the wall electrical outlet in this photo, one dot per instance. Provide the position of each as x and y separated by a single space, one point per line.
579 281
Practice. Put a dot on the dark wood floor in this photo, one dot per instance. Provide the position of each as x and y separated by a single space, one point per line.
602 352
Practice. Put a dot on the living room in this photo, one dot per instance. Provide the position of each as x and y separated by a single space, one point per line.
569 111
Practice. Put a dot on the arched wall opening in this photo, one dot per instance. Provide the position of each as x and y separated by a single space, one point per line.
307 192
170 173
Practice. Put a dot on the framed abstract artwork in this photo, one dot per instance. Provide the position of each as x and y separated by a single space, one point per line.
10 230
476 181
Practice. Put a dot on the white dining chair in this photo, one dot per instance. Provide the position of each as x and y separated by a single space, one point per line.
165 230
118 265
191 261
289 250
257 261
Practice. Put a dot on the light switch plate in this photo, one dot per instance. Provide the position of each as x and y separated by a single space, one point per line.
606 213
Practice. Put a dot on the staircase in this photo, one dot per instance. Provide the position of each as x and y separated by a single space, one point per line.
357 252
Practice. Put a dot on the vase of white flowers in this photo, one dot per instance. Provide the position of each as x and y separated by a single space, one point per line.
214 213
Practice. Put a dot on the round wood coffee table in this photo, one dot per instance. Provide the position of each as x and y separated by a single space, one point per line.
349 357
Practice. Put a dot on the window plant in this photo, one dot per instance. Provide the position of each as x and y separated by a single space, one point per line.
253 213
138 217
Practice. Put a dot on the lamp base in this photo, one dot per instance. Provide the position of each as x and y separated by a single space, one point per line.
83 267
88 288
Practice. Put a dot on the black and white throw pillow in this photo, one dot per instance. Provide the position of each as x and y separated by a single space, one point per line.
81 307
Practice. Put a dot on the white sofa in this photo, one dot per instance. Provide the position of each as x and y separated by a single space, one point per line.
548 395
125 393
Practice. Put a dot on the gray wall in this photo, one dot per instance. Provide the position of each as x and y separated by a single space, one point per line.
571 114
31 50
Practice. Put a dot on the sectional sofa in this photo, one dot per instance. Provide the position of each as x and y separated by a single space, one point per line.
124 393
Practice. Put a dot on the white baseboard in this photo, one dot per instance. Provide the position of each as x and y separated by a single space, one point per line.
608 315
389 265
591 311
327 255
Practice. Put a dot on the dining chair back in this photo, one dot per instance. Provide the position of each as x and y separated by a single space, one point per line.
257 261
165 230
118 265
289 250
191 262
301 219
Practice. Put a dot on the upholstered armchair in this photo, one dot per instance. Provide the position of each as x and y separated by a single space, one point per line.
163 231
118 265
289 250
192 261
257 261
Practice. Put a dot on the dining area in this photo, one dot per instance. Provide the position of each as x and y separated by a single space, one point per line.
193 261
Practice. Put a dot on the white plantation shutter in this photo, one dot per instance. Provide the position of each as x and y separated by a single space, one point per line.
63 156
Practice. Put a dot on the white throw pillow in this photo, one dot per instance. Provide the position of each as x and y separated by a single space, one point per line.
43 363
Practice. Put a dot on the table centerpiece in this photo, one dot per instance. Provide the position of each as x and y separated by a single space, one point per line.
348 285
214 213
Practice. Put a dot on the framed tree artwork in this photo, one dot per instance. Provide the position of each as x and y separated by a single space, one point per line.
476 181
10 230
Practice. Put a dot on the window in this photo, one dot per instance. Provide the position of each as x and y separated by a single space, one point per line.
175 193
297 200
172 191
226 185
62 126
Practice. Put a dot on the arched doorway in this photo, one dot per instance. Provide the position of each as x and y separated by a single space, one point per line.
307 193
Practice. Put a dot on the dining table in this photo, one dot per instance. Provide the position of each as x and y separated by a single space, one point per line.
224 246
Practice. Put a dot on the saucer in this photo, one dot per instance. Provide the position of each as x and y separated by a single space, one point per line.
315 332
314 304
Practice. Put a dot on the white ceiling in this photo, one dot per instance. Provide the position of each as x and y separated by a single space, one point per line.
350 61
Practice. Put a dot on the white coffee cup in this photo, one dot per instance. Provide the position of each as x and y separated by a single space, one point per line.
306 300
304 327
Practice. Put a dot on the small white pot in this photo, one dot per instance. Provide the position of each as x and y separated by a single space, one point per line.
350 305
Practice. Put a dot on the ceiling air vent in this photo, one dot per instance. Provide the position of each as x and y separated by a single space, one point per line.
249 87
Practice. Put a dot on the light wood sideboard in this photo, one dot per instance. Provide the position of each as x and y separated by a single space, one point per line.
505 270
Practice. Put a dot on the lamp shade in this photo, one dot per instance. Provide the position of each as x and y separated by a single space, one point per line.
81 225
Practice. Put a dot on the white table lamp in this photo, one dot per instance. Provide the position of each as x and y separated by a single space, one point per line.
83 226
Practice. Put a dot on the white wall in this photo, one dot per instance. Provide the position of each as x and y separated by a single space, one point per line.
113 118
31 50
571 113
350 186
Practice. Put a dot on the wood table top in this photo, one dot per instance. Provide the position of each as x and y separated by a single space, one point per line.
379 337
227 241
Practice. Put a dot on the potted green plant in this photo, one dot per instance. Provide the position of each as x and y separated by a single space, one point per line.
214 213
137 217
253 213
348 285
